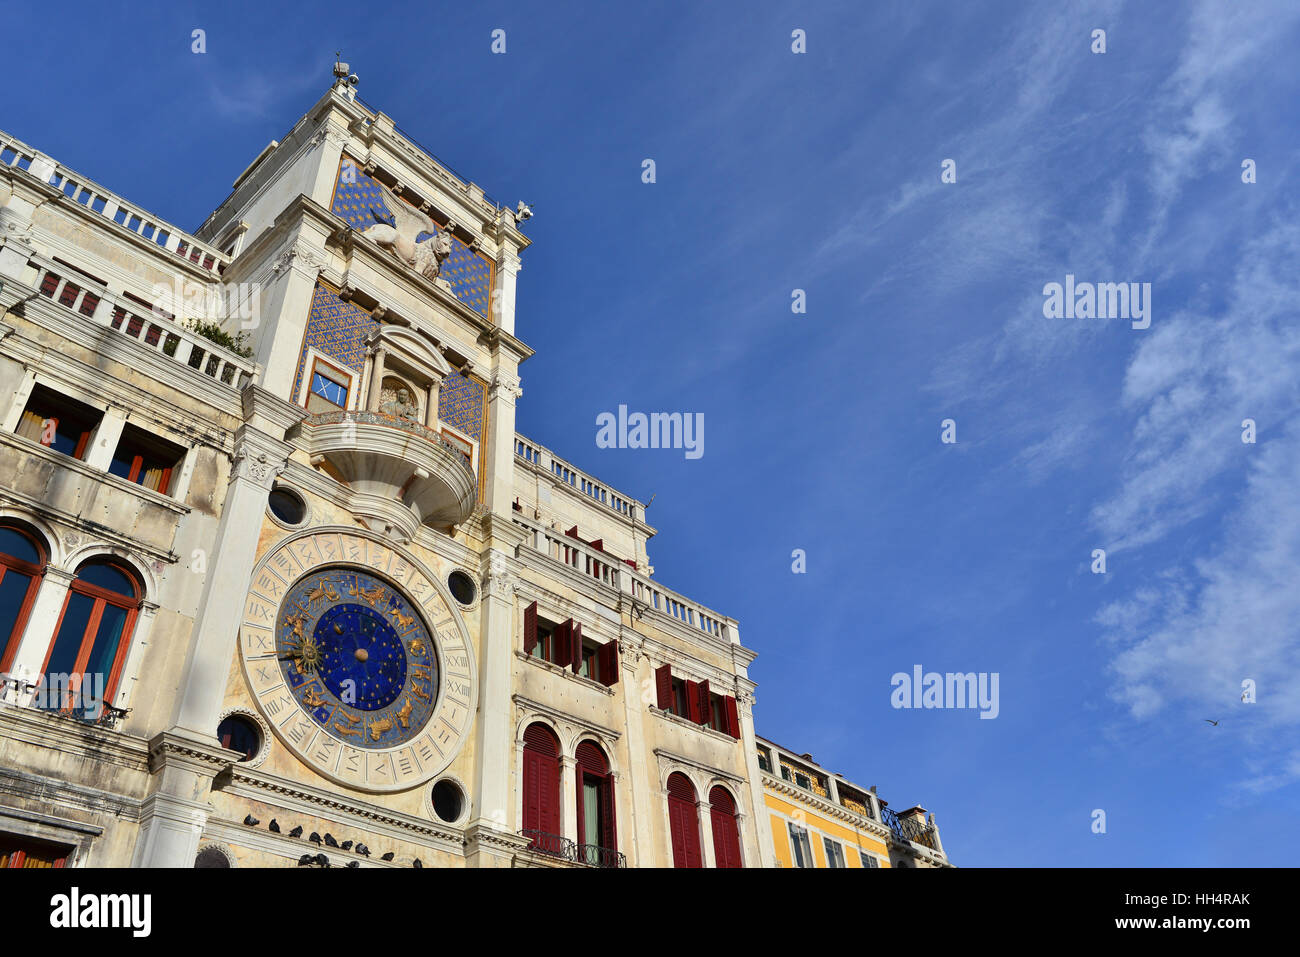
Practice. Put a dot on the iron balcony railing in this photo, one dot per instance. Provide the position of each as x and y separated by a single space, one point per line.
566 850
909 829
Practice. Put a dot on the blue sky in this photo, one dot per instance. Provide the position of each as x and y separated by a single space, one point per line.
821 171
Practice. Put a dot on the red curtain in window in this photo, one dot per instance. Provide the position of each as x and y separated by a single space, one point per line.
684 821
726 832
541 782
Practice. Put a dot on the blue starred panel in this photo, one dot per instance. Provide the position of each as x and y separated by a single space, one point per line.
357 197
336 329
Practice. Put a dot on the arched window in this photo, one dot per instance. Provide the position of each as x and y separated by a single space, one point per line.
542 789
726 832
684 821
597 843
84 663
23 557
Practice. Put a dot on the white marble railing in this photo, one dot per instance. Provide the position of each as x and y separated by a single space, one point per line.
546 460
621 577
17 155
168 338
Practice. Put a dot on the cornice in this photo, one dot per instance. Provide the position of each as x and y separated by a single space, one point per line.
49 791
870 825
528 704
265 787
687 722
42 729
663 754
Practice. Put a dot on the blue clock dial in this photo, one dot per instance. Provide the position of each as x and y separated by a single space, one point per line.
357 657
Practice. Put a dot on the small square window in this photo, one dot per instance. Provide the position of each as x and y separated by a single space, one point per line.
58 422
328 388
145 459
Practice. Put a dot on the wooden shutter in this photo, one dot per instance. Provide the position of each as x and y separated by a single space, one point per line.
726 833
608 823
733 718
692 702
530 628
576 649
607 661
683 821
664 687
705 707
562 643
541 780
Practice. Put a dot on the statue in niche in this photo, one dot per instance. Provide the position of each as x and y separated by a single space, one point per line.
398 400
399 238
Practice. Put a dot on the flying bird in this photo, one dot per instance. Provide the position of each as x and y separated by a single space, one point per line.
296 832
1215 723
274 826
251 821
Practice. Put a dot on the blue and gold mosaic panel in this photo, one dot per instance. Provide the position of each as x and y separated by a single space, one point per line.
357 200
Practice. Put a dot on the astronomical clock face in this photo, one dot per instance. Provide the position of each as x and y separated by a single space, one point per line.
358 660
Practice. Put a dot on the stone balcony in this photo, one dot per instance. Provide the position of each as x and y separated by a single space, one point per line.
402 474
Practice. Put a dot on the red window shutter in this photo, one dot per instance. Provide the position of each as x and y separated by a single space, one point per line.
726 833
573 532
541 780
576 650
693 701
664 687
598 544
608 662
562 643
706 704
530 628
683 821
733 718
608 824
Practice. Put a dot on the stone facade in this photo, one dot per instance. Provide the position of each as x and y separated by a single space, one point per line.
330 599
375 395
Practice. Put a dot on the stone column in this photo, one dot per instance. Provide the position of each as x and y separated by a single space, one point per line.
764 853
376 379
641 784
104 441
706 834
431 413
569 798
258 460
494 731
39 633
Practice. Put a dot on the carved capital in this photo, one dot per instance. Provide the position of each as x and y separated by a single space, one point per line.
499 581
301 258
503 382
256 465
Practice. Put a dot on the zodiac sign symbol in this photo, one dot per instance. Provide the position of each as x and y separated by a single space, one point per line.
420 672
404 715
417 646
342 730
349 718
312 699
379 728
403 621
371 596
419 692
323 589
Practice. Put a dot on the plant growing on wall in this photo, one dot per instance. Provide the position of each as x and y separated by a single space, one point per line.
214 333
